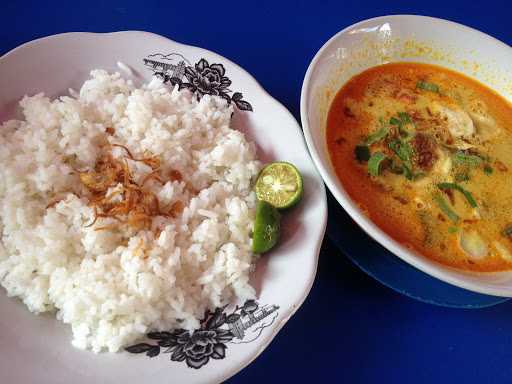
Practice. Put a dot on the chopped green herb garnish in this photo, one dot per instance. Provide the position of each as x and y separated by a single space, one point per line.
401 121
403 150
457 187
443 206
460 177
375 162
488 169
453 229
362 153
394 121
377 136
426 86
463 158
507 231
405 117
410 174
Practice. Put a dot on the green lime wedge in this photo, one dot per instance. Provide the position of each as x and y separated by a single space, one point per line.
266 227
279 184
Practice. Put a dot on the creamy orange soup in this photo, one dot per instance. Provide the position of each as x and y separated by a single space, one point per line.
427 152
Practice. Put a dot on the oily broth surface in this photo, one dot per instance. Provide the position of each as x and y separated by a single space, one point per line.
405 209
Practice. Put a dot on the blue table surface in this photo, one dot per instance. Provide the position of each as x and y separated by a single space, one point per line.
350 329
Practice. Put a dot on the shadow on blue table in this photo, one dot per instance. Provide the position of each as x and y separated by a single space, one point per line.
385 267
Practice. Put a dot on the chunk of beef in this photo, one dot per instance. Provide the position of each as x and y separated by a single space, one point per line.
425 151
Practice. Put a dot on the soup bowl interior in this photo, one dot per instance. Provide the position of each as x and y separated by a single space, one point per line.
396 39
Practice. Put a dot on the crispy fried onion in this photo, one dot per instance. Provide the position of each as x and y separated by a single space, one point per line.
130 205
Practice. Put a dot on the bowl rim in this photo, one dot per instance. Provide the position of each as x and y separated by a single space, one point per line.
415 259
263 342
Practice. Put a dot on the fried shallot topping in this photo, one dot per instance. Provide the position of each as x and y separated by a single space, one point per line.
129 203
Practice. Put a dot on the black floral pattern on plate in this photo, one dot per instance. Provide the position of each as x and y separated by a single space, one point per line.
196 348
202 78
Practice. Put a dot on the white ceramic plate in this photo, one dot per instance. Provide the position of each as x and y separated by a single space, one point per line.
37 349
390 39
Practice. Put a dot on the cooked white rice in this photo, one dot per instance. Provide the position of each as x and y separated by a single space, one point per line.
100 282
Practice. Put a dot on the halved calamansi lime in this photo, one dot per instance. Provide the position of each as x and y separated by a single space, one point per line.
279 184
266 227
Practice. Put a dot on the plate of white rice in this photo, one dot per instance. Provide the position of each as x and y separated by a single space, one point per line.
127 167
